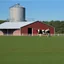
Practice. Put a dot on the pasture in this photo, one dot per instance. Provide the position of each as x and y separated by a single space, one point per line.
31 50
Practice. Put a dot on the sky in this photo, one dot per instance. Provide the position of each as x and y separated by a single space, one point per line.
44 10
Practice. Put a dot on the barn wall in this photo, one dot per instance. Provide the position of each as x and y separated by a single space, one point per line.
36 26
10 32
17 32
4 31
1 33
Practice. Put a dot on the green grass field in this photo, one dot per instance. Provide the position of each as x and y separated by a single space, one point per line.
31 50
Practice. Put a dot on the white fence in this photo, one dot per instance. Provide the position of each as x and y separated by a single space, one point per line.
58 35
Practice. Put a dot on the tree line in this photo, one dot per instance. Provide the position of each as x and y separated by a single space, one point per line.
58 25
1 21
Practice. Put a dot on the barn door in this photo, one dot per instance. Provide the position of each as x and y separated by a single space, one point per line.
29 30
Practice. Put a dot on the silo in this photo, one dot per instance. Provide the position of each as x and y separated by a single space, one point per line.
17 13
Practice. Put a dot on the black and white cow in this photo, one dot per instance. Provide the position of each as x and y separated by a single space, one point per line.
41 31
47 31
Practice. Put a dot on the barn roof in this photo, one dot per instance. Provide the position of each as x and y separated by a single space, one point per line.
13 25
17 25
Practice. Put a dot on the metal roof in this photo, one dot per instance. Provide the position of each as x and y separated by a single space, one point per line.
13 25
17 5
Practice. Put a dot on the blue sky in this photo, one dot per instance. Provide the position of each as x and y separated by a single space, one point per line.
35 9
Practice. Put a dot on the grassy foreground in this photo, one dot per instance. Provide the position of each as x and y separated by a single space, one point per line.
31 50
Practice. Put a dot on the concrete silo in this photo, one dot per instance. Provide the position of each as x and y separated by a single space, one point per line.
17 13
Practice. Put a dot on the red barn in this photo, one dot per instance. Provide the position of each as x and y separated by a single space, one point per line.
33 27
25 28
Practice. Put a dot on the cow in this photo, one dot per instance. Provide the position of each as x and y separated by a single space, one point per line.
47 31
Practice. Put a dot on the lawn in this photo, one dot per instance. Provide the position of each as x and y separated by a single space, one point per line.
31 50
